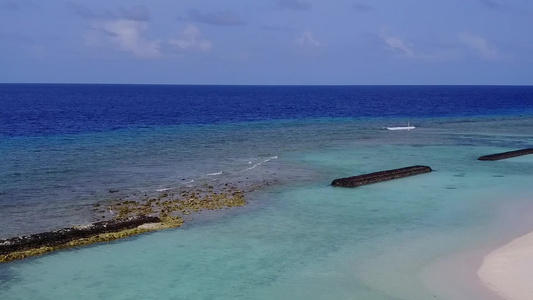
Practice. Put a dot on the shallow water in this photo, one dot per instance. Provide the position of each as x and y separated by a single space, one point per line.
304 239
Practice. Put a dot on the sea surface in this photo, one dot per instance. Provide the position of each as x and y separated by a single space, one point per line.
65 148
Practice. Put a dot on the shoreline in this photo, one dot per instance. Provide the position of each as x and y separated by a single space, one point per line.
457 275
504 264
508 270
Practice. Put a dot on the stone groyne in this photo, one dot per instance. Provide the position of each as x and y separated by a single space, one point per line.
508 154
65 235
375 177
36 244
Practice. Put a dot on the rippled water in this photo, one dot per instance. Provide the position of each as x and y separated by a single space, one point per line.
310 240
297 239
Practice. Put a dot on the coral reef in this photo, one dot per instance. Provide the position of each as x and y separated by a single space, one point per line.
128 218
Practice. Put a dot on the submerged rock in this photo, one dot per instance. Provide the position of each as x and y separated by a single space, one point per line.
375 177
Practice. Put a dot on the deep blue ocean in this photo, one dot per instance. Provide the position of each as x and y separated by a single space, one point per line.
65 148
48 109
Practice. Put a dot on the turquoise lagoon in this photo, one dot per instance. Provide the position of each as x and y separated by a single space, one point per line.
302 238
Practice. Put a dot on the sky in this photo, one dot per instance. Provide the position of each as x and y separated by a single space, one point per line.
267 42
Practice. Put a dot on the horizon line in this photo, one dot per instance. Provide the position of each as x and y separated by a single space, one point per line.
262 85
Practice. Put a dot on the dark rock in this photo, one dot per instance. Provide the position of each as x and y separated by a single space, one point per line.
509 154
65 235
375 177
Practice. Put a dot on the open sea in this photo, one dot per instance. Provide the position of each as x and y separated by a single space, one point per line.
65 148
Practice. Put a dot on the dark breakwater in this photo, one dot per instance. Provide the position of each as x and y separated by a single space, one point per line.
65 235
508 154
375 177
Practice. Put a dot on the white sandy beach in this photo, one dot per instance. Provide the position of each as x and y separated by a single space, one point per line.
509 270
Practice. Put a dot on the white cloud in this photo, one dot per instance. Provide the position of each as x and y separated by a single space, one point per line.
124 30
399 46
479 44
190 39
403 48
128 36
307 40
127 33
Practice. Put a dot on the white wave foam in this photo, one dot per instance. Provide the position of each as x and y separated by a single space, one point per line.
162 190
214 174
260 163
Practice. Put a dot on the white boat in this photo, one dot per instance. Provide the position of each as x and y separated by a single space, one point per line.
408 127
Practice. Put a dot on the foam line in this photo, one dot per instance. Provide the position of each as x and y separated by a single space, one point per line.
260 163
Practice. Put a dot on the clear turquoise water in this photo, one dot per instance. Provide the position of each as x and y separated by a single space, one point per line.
304 239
